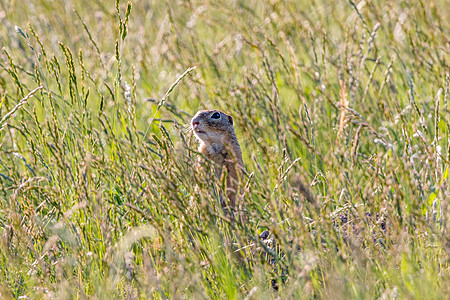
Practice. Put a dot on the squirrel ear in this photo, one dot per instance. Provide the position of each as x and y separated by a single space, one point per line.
230 119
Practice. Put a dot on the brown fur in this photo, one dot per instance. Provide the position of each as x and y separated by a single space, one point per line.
218 143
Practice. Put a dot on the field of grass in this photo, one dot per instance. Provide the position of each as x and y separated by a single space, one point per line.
341 109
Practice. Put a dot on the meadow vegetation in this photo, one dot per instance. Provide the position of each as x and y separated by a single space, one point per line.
341 109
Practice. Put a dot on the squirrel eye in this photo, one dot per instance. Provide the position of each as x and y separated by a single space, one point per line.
215 115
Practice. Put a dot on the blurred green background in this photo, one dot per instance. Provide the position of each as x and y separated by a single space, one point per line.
341 109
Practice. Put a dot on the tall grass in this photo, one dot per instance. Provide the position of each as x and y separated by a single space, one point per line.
341 108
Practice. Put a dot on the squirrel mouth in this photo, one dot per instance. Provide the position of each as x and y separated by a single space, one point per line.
199 131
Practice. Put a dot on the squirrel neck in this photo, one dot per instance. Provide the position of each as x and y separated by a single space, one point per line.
223 152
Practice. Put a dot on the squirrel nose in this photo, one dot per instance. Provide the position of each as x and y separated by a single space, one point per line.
195 123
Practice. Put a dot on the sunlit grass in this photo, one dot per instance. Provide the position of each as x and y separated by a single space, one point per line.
341 109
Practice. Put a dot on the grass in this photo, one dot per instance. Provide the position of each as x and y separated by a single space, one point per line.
341 109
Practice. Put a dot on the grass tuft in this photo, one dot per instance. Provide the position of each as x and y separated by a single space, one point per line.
341 109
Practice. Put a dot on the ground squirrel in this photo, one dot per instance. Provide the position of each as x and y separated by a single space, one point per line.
215 131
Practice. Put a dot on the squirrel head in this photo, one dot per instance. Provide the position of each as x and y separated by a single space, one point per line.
212 126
